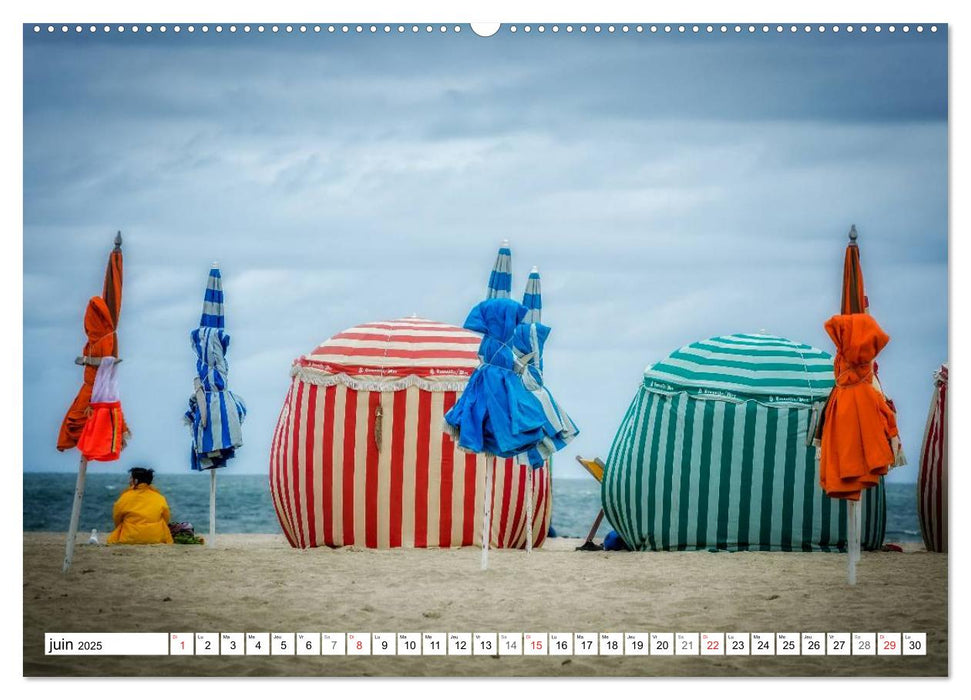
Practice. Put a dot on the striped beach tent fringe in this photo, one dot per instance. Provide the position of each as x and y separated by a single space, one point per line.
320 377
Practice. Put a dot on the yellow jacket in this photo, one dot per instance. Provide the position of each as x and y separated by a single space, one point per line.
141 516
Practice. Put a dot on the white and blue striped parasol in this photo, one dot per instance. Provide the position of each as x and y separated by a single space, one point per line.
533 298
500 279
213 315
505 410
528 345
215 414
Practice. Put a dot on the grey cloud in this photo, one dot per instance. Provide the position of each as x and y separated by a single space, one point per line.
669 190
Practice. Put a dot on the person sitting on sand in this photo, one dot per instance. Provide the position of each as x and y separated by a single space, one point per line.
141 513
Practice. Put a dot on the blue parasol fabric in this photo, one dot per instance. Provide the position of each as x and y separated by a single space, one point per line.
496 414
215 414
529 340
505 409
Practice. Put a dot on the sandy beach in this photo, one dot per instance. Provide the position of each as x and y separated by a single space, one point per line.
258 583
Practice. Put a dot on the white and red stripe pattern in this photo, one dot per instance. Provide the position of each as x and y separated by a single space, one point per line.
365 463
406 347
932 478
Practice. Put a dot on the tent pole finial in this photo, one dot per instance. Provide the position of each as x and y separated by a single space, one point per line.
118 241
853 234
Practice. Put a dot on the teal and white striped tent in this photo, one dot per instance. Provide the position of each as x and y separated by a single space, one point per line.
714 453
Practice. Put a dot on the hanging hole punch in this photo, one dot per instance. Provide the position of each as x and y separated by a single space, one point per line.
485 29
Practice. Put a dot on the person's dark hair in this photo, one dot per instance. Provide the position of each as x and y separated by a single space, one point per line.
142 475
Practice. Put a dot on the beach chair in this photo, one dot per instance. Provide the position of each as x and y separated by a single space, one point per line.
596 468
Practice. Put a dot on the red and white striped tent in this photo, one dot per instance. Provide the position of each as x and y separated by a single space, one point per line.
932 477
359 456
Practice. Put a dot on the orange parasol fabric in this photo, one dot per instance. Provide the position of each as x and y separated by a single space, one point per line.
856 446
854 298
100 322
112 290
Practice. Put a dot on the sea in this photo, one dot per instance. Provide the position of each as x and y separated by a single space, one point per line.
243 504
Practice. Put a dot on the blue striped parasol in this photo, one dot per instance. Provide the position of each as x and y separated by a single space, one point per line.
505 410
213 315
529 340
533 298
500 279
215 414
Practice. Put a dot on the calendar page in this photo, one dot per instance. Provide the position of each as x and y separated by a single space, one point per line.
428 348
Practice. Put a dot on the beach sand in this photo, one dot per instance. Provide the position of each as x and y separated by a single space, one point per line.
257 583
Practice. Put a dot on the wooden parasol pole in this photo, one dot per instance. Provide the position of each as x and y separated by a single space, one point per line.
75 515
596 526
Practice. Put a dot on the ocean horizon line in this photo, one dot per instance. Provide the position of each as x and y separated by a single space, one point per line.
225 472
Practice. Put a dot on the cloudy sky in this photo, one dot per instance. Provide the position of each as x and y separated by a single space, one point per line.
670 188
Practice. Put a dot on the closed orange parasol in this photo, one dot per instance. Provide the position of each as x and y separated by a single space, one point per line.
856 448
97 428
859 438
100 323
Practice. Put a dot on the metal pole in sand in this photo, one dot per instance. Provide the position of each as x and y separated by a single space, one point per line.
212 508
72 530
487 512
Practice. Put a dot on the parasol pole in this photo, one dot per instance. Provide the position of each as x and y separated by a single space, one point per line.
75 515
212 481
529 508
853 540
212 508
487 513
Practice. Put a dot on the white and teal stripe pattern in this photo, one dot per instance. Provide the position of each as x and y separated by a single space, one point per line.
727 465
743 366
